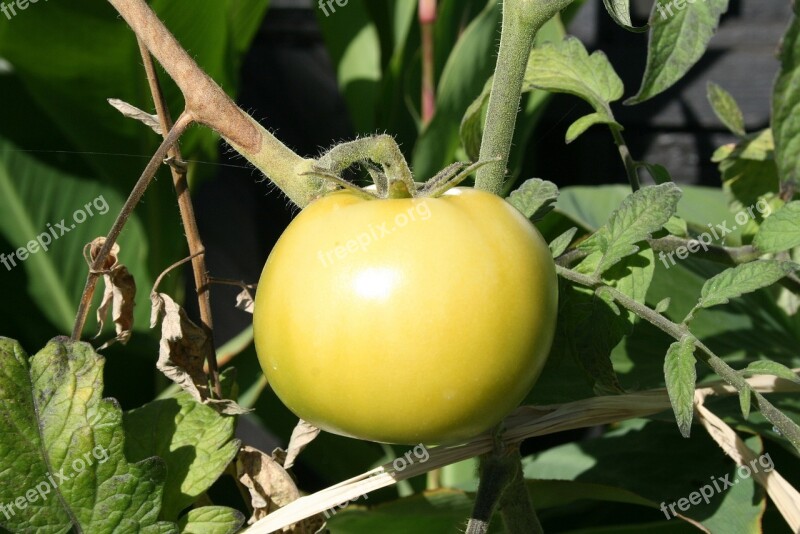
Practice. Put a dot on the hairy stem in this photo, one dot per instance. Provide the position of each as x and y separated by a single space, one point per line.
183 122
627 159
786 426
207 103
521 20
196 248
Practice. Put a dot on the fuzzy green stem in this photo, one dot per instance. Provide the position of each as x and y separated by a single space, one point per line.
786 426
521 20
627 159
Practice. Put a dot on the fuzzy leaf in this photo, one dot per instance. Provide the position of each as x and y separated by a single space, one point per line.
745 398
580 126
781 230
766 367
194 440
534 198
560 244
743 279
61 448
639 215
681 376
678 39
211 520
620 11
726 108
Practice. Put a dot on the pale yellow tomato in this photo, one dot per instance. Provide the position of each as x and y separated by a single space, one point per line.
406 320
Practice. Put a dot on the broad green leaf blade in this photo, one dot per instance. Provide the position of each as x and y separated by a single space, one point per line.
620 11
194 440
743 279
765 367
567 67
785 102
62 460
678 39
34 200
639 215
579 127
726 108
560 244
211 520
681 377
534 198
659 173
781 230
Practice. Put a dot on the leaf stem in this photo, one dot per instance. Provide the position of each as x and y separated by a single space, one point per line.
787 427
521 20
186 208
183 122
627 159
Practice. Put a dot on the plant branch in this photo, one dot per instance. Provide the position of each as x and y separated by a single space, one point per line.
183 122
193 239
208 104
427 20
521 20
627 159
787 427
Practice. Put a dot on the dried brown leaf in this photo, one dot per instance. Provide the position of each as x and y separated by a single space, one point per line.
132 112
303 434
119 294
245 302
270 487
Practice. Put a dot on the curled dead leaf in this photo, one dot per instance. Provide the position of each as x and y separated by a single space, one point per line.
132 112
244 301
303 434
119 293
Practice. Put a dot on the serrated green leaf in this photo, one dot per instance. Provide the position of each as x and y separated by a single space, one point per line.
195 441
678 39
61 457
726 108
639 215
743 279
580 126
560 244
745 398
211 520
681 377
785 100
620 11
781 230
534 198
567 67
766 367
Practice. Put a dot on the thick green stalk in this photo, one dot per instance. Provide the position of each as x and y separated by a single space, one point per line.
521 20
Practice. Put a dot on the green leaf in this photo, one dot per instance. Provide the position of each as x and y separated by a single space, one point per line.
766 367
726 108
560 244
785 99
580 126
534 198
681 377
745 398
471 131
195 441
61 457
743 279
663 305
620 11
781 230
659 173
678 39
211 520
567 67
640 214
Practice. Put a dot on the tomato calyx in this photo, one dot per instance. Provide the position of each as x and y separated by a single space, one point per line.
381 157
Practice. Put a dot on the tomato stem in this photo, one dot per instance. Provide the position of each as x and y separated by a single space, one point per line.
522 19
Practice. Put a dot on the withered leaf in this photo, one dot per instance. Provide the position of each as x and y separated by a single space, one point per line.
119 293
303 434
270 487
132 112
244 301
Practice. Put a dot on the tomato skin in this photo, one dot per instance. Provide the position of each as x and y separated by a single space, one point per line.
428 324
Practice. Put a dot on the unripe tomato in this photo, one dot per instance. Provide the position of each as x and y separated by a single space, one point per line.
406 320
